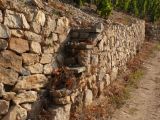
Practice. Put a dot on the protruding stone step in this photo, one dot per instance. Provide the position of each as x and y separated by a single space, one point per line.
77 69
60 93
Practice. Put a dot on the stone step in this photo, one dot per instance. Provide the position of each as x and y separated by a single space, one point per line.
77 69
80 46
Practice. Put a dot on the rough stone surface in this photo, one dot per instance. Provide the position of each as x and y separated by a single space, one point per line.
60 113
5 32
1 89
88 97
9 59
36 82
18 45
30 58
39 21
3 44
1 17
8 76
4 105
27 106
15 20
32 36
16 113
36 68
25 97
36 47
9 96
46 58
48 69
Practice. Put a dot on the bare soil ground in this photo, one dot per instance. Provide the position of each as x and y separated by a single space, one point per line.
144 103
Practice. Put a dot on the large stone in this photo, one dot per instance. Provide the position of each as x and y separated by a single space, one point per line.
4 106
48 49
18 45
30 58
38 22
1 16
60 112
8 76
46 58
36 47
15 20
25 97
62 24
50 26
5 32
9 96
3 44
88 97
1 89
32 36
16 113
36 82
36 68
9 59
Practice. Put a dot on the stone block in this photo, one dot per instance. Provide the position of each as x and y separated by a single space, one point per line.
35 82
30 58
8 76
9 59
25 97
15 20
18 45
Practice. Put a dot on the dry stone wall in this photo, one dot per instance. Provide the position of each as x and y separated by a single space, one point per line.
153 31
30 39
36 43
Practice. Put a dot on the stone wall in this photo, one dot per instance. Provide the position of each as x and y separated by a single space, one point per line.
153 32
30 38
42 61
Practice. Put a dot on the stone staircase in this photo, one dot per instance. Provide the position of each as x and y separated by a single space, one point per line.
75 62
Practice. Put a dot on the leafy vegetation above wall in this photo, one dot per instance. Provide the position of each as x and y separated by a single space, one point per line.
146 9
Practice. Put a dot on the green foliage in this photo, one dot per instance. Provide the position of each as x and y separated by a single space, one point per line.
104 7
147 9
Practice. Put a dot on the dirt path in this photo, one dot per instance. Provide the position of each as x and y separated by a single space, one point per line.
144 103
